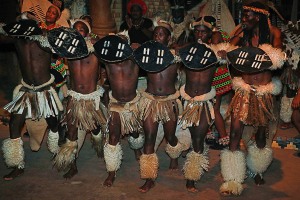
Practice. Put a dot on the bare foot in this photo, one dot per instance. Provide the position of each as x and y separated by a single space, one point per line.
13 174
173 164
190 186
147 186
259 180
72 172
137 153
285 126
226 193
110 179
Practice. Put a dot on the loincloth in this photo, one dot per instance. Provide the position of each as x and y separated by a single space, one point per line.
222 81
160 108
37 101
128 112
193 107
253 105
86 111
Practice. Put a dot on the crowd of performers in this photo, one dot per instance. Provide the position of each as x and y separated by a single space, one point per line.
186 70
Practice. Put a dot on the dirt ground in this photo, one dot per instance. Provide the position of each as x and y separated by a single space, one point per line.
41 181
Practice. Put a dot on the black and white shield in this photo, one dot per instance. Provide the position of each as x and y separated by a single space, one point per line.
67 43
249 59
153 56
197 56
23 28
112 48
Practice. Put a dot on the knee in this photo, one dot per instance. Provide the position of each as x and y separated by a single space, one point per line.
113 139
296 116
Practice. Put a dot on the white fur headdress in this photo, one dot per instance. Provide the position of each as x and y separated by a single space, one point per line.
125 34
73 21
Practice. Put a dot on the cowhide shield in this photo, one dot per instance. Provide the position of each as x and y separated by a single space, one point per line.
249 59
153 56
197 56
67 43
23 28
112 48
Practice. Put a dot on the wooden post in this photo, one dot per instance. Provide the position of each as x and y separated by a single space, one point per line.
103 21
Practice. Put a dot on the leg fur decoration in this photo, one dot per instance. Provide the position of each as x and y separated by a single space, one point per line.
233 169
52 142
149 166
65 156
286 109
113 157
195 165
258 160
174 152
97 143
13 153
184 137
136 143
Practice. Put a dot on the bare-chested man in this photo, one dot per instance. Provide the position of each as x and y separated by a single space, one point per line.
252 104
33 99
159 104
123 108
84 112
198 112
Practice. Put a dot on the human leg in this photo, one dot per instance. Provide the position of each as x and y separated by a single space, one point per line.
53 135
233 165
65 158
149 160
259 156
13 151
197 160
97 139
113 150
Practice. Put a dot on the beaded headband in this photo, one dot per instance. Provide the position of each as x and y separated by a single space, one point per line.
257 10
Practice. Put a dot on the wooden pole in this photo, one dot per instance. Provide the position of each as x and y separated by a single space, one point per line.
103 21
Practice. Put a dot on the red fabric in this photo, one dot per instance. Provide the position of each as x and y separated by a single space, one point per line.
141 3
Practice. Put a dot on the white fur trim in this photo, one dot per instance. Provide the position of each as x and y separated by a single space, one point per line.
136 143
277 56
13 153
52 142
125 34
258 160
184 137
43 40
195 165
224 46
274 87
204 97
286 109
233 169
73 21
113 157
